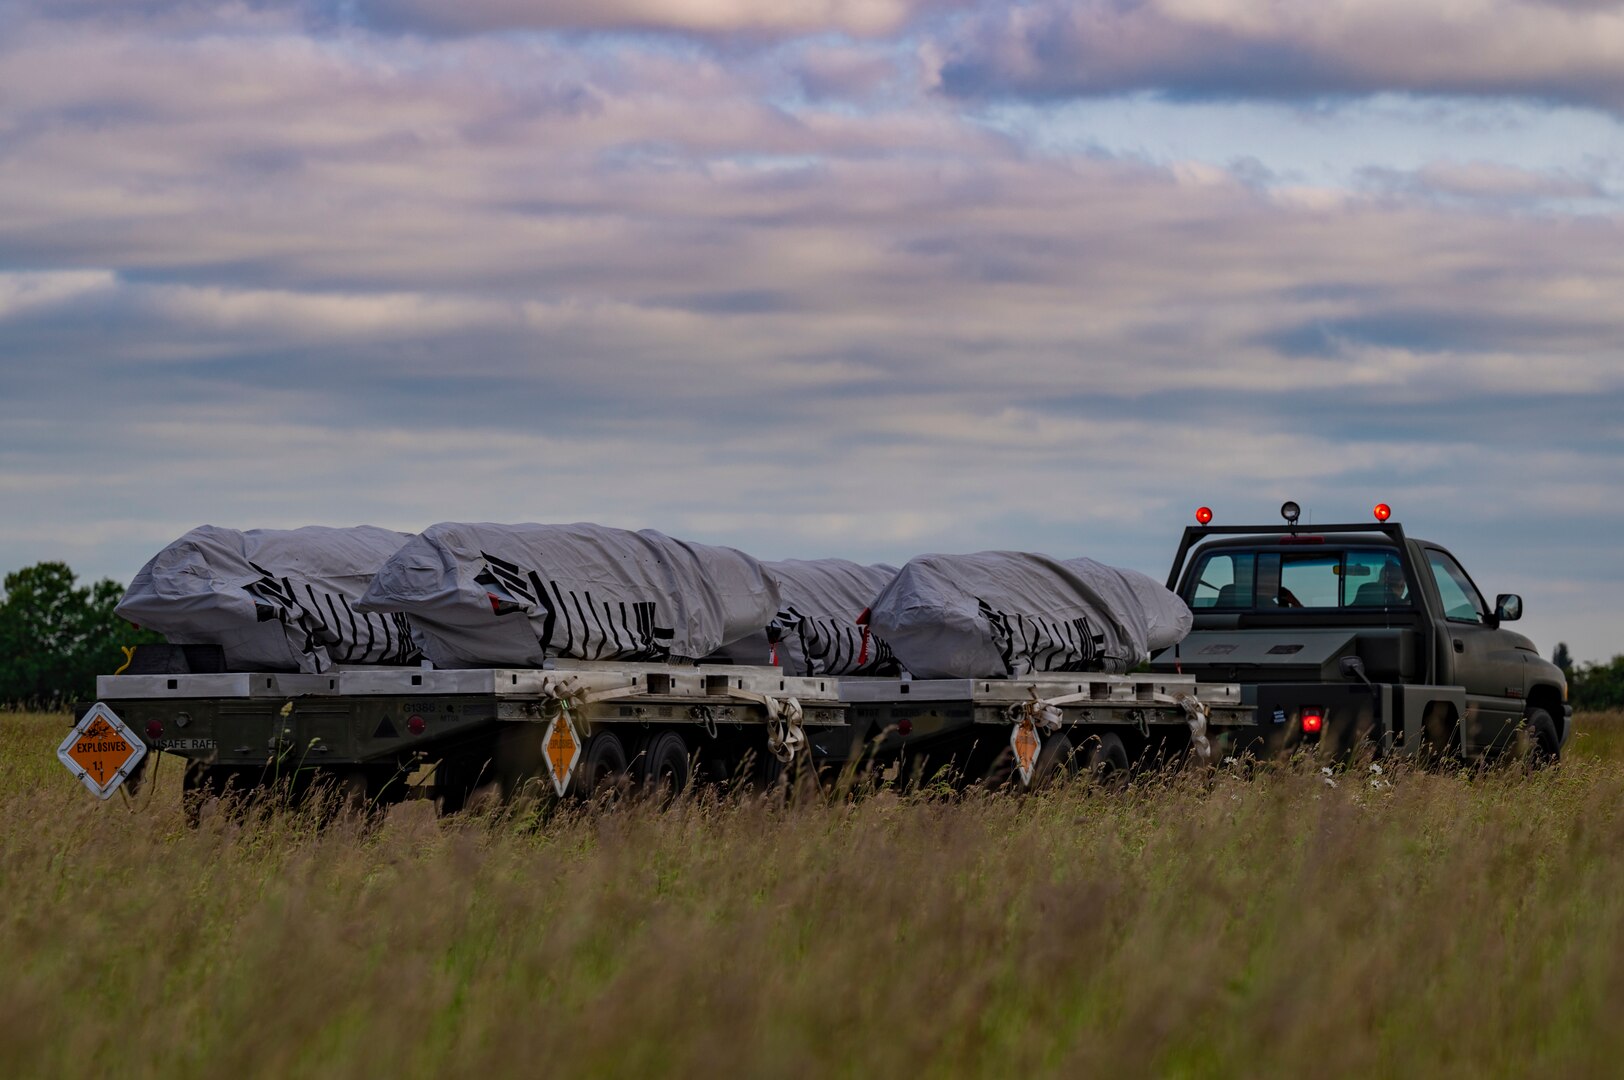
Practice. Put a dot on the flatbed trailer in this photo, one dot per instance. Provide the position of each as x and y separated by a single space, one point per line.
574 726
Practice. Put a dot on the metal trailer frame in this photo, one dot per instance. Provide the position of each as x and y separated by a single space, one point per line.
377 726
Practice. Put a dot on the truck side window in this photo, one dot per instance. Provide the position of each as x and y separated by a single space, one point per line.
1460 597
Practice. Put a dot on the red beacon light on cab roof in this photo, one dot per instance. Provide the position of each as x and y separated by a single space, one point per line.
1383 511
1204 515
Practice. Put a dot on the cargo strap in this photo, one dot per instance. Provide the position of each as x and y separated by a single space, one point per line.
565 692
785 737
1196 713
1044 715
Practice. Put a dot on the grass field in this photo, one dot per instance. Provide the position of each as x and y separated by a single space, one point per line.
1409 923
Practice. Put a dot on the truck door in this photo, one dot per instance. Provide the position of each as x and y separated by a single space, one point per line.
1474 655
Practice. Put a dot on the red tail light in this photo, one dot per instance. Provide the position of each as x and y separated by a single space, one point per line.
1313 721
155 730
415 725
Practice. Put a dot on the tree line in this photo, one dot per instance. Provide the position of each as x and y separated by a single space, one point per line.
57 636
1592 686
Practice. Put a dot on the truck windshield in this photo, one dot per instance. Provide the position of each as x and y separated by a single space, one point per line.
1271 579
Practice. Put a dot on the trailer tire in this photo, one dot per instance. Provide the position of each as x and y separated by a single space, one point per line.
602 767
663 771
207 788
353 792
1057 760
1106 756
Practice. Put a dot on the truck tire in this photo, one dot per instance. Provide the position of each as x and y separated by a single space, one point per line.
663 771
602 767
1544 748
1106 756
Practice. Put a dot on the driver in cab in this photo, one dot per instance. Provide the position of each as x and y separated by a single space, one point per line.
1388 590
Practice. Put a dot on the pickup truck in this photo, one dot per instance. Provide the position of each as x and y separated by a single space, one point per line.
1357 635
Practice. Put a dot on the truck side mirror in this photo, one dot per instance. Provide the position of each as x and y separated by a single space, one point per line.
1507 607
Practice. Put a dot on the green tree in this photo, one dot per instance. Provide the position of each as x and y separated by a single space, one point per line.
1562 658
1598 686
55 637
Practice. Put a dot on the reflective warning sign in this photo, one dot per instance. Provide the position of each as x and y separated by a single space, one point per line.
1026 744
563 751
101 751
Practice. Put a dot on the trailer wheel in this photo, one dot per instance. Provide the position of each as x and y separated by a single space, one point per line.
663 772
1538 738
353 792
1057 760
213 786
603 766
1107 757
199 784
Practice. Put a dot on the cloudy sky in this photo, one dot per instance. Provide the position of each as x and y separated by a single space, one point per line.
833 277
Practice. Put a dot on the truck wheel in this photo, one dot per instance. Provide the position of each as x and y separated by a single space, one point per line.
1543 747
1106 756
663 772
602 767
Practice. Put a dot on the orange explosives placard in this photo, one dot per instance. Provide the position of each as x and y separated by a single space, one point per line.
1025 742
563 750
101 751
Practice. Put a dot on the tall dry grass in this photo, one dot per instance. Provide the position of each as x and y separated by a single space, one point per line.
1435 923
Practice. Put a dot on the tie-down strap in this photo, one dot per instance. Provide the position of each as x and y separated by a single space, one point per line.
785 737
1045 714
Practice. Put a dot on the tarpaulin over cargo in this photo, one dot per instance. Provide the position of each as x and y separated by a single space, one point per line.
484 595
274 599
1009 613
816 631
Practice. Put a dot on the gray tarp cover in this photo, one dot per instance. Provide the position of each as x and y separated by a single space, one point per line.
489 595
275 599
1003 613
816 625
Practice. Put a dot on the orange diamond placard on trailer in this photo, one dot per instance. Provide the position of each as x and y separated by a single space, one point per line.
1026 744
563 751
101 751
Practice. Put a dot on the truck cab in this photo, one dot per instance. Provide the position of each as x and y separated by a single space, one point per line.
1357 633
